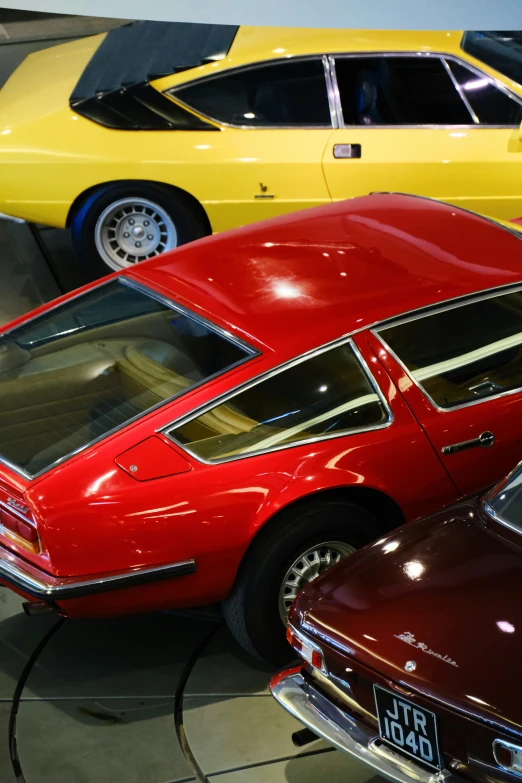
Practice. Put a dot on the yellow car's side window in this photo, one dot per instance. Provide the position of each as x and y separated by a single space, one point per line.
398 90
284 94
490 104
500 50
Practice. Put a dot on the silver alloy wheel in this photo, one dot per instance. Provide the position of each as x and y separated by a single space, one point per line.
307 567
131 230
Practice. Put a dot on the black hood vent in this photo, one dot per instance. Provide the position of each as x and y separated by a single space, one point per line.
114 89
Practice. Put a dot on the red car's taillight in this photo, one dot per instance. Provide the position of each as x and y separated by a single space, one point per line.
22 531
310 651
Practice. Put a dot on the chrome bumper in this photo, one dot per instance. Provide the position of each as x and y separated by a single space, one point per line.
25 577
325 719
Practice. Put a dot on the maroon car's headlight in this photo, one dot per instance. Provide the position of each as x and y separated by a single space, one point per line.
307 649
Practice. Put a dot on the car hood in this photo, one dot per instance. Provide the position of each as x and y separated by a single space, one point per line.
42 84
445 593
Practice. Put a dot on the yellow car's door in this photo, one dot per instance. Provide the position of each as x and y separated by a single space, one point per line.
425 125
275 121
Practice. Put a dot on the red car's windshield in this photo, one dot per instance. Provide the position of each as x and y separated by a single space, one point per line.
92 364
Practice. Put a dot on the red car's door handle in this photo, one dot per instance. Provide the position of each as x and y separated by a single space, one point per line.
485 440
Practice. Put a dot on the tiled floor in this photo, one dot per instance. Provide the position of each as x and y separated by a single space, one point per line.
98 706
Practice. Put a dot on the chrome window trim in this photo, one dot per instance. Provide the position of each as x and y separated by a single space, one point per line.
432 310
139 286
463 97
171 92
494 82
334 109
490 511
251 353
471 126
228 395
483 75
333 91
493 492
442 56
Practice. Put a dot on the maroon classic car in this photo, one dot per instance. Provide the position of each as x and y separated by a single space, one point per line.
411 647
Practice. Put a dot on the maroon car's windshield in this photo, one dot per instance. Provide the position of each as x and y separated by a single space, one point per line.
92 364
506 499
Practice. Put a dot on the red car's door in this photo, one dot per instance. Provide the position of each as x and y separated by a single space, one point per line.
460 371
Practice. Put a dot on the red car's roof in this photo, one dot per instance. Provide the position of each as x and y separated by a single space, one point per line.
296 282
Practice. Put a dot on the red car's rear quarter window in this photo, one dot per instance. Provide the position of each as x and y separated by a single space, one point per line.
325 395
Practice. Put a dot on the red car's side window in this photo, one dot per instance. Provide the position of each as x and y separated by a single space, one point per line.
463 354
327 394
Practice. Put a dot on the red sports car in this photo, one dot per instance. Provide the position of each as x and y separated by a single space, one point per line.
411 648
226 421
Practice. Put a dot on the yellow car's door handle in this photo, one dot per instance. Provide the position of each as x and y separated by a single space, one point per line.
347 151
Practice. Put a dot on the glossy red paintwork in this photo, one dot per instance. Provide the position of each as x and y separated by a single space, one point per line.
452 583
285 286
153 458
301 280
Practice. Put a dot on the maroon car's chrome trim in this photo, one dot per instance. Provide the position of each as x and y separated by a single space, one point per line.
328 721
17 572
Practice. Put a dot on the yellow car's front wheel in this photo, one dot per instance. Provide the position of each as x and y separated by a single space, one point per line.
122 224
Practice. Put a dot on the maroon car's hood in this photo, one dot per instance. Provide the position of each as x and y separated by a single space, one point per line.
445 593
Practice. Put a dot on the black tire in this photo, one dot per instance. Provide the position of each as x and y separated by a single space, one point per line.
189 225
252 608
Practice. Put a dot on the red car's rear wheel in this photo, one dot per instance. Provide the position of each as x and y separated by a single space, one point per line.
300 544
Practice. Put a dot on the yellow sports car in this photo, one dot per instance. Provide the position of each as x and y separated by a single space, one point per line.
156 134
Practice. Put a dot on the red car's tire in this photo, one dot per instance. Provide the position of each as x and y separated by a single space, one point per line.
171 221
253 608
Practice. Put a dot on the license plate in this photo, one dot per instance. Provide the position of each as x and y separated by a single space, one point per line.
411 729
